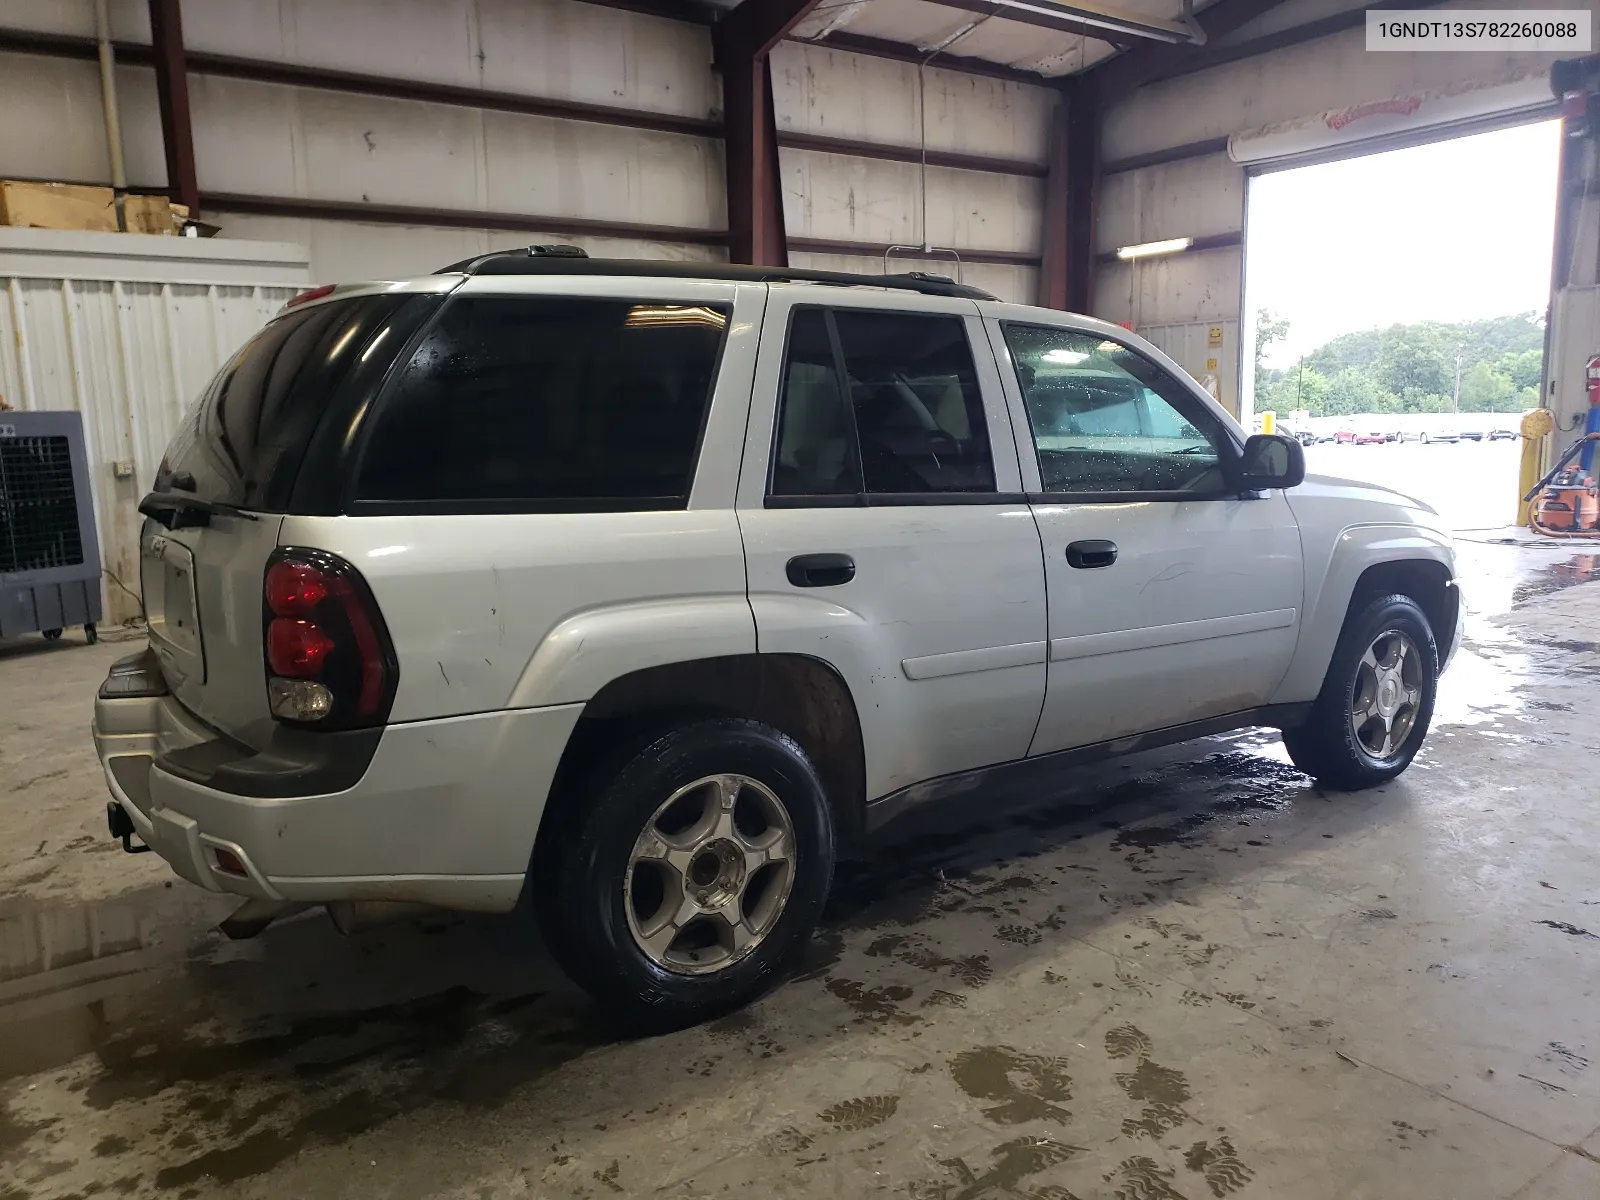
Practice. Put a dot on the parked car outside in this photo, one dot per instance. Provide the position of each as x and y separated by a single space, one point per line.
1410 435
587 581
1472 435
1502 435
1371 439
1345 437
1447 435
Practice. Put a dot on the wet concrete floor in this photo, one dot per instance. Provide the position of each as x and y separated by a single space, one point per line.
1193 975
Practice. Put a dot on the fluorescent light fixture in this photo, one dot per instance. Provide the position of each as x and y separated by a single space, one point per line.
1148 249
1058 355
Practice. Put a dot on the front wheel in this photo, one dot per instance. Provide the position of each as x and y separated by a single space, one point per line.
681 880
1377 699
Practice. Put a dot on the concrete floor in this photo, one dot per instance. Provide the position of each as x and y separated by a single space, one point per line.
1214 980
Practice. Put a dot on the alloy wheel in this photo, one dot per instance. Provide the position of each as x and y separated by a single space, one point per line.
709 874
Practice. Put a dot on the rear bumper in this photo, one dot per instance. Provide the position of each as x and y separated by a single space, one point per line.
444 813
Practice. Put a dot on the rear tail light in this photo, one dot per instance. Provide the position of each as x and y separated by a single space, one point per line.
329 660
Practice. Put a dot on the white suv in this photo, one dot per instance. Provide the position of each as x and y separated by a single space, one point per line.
645 587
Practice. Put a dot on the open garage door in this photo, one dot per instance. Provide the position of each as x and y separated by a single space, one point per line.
1291 87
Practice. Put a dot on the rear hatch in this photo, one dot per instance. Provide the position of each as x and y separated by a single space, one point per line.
252 448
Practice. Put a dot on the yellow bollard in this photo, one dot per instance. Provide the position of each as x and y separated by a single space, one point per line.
1537 424
1269 421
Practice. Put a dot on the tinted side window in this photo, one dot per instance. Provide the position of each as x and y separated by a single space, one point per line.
918 422
919 413
1106 419
563 403
816 453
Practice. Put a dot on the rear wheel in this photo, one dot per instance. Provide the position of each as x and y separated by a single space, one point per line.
688 872
1377 700
51 635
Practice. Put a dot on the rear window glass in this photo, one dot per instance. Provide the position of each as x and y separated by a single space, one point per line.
547 404
242 441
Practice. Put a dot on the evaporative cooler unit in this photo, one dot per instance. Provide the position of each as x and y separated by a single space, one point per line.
49 556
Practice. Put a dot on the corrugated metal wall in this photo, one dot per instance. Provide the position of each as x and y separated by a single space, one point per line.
129 354
831 93
309 144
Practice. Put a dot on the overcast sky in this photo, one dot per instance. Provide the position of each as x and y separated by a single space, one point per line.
1451 231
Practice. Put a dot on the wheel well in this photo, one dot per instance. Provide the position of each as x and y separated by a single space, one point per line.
1425 581
803 697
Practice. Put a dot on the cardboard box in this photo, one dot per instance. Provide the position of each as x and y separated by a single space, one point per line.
149 214
57 206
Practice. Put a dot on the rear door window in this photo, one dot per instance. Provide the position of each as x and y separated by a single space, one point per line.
546 404
914 423
243 440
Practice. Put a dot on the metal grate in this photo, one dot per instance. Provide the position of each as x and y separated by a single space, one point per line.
38 507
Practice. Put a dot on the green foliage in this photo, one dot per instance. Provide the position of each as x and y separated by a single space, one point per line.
1411 368
1295 388
1484 389
1269 329
1356 390
1523 367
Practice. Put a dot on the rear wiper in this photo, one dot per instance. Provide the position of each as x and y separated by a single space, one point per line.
176 510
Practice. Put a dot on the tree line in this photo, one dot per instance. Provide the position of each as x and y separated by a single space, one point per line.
1407 368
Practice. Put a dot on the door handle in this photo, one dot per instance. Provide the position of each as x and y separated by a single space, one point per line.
1094 552
820 570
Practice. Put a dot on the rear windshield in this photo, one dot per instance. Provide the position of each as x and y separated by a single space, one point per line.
242 441
546 404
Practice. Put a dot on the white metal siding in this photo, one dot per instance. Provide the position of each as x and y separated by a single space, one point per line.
129 354
305 143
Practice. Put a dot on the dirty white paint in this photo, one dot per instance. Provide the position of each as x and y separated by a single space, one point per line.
127 329
1190 198
832 93
1297 81
264 139
271 140
861 199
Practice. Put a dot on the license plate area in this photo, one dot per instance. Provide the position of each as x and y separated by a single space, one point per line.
171 610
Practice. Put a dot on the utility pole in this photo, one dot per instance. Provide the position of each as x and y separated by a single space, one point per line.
1455 401
1300 386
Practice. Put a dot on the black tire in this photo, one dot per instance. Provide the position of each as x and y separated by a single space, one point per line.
51 635
584 856
1328 746
91 635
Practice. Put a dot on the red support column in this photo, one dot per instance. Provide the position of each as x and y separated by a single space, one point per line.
1082 152
172 92
1054 263
755 200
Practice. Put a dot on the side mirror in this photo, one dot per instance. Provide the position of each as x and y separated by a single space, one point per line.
1271 460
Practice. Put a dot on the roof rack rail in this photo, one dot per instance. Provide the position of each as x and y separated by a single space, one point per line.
569 260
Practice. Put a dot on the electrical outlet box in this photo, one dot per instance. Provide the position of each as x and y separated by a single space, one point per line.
122 469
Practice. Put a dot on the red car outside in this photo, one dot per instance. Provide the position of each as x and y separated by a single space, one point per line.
1345 437
1371 439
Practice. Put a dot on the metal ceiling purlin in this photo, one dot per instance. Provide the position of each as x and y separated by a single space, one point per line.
1116 78
1106 25
172 94
741 42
